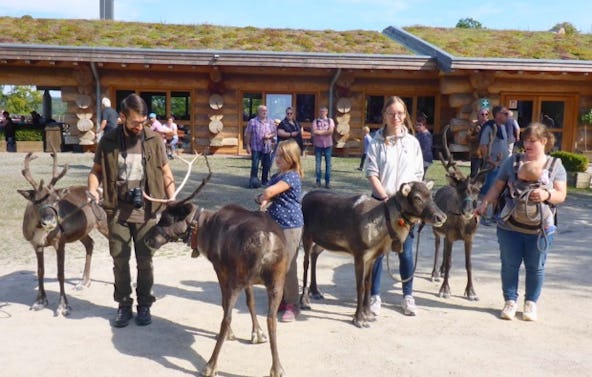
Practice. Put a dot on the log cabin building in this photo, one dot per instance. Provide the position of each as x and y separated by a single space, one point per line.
214 79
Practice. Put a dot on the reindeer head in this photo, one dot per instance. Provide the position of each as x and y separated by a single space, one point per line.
43 199
416 203
179 216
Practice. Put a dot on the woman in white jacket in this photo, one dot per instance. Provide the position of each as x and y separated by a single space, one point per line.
393 158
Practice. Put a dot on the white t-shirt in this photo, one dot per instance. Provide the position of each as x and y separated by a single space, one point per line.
396 162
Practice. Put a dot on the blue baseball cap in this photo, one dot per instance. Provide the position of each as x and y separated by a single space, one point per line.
152 115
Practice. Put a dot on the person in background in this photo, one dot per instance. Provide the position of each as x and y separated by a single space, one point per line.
393 158
158 127
9 132
519 245
424 137
367 139
174 137
473 134
513 131
497 153
109 117
322 140
131 160
289 128
259 137
285 193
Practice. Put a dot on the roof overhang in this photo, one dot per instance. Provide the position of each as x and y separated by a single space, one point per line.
20 52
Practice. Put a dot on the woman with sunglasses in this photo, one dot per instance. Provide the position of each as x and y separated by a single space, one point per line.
289 128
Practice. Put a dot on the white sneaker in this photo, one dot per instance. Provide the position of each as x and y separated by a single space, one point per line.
375 303
408 305
509 310
530 311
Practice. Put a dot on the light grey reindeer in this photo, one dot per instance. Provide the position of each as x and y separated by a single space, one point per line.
54 217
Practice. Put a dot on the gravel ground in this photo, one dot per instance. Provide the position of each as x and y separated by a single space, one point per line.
448 337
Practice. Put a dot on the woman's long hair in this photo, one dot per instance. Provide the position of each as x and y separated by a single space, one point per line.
396 99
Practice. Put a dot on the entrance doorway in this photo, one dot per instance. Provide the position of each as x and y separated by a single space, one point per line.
558 113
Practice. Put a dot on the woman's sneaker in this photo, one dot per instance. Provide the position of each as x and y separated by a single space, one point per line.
408 305
509 310
289 315
375 303
530 311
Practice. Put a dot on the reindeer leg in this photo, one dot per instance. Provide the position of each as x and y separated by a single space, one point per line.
229 297
445 288
88 246
274 296
257 334
359 318
41 300
368 315
469 290
435 272
63 307
314 291
304 298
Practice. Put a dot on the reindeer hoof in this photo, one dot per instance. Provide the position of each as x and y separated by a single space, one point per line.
304 302
444 294
209 372
64 310
277 373
80 286
435 277
39 304
316 295
258 337
360 323
472 296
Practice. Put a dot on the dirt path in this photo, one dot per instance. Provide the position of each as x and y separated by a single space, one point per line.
452 337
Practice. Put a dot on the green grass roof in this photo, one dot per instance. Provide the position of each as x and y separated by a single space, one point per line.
100 33
506 43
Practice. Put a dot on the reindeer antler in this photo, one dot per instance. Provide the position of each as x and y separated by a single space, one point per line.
203 181
27 171
189 165
449 164
55 176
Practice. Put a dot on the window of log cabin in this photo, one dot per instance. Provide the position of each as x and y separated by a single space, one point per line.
181 105
277 105
250 103
156 102
120 96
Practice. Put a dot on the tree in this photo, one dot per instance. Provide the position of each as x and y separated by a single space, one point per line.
568 28
20 100
469 23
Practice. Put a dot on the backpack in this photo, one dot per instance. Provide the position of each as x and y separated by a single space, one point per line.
517 212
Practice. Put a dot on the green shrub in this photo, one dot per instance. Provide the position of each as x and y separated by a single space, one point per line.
572 161
26 134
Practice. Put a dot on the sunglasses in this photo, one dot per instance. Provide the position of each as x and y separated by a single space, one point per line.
289 113
484 114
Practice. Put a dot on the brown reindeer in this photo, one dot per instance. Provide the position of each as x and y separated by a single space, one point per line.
54 217
365 228
245 247
459 201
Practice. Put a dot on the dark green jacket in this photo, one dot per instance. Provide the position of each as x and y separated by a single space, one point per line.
154 153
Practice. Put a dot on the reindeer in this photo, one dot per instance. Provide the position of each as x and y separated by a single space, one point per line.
365 228
459 201
245 247
54 217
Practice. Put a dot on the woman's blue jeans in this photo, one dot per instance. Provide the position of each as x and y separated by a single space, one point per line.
405 268
319 153
516 247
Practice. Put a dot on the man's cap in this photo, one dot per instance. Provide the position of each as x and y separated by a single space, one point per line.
152 115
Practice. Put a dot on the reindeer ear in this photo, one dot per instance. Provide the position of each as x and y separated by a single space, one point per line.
405 189
61 193
27 194
430 185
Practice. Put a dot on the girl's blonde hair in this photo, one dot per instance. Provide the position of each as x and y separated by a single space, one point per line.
396 99
290 152
539 131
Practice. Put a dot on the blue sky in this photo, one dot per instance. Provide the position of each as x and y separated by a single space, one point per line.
322 14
